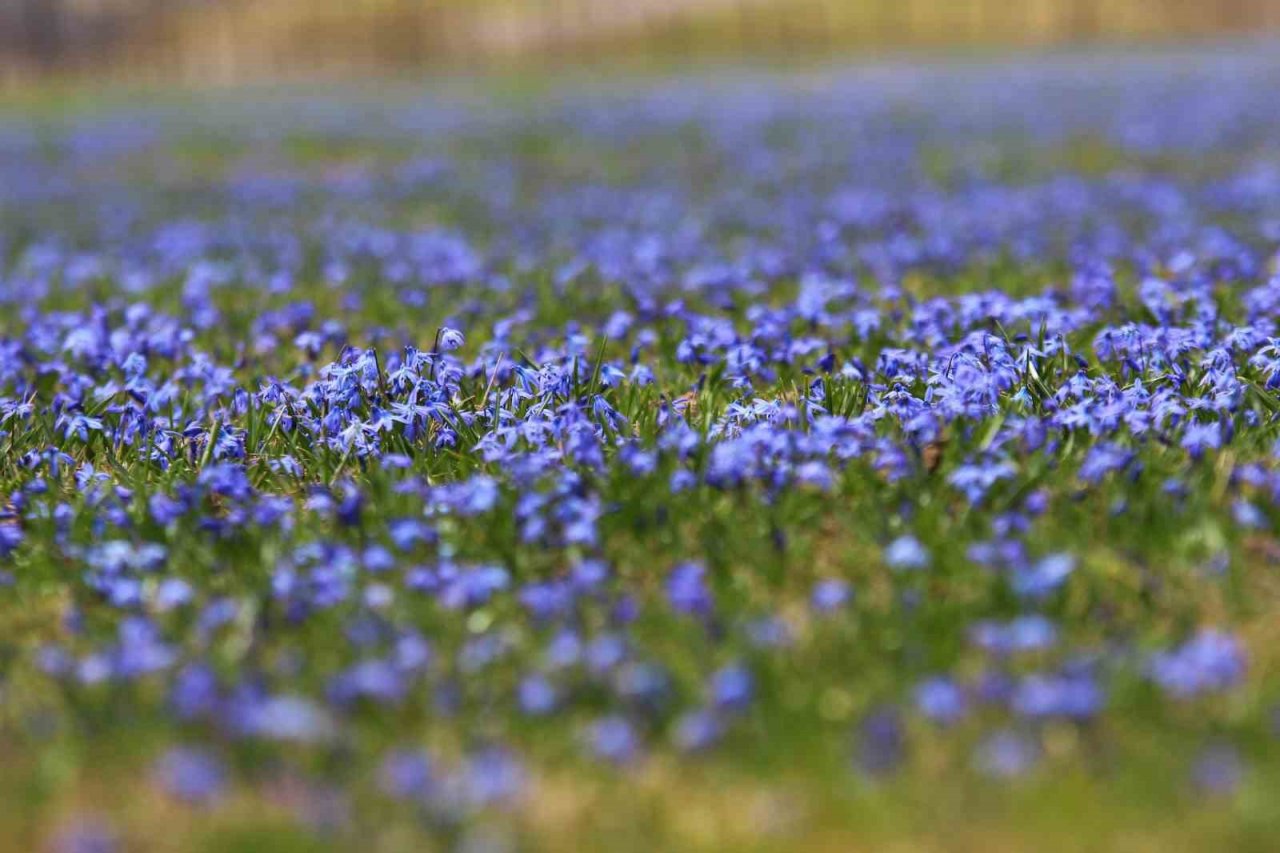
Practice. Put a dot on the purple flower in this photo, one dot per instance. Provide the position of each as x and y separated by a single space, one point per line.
1070 696
1247 515
450 339
1007 754
1210 661
613 739
1218 770
191 775
697 730
906 552
1202 437
405 774
687 589
493 775
10 539
1103 459
1044 576
881 743
830 594
1023 634
474 587
86 835
537 696
287 718
732 688
194 692
941 700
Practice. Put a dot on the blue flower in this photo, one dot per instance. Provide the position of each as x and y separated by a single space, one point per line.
406 774
450 339
906 552
697 730
613 739
941 700
1070 696
687 590
732 688
1044 576
86 835
1218 770
1210 661
830 594
1007 754
536 695
881 743
191 775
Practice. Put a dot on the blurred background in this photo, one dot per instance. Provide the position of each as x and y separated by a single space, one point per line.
230 41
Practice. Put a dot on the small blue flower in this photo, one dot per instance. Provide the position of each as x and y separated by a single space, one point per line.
191 775
687 589
405 774
1044 576
450 339
697 730
830 594
906 553
1007 754
537 696
941 701
881 743
1210 661
732 688
1218 770
613 739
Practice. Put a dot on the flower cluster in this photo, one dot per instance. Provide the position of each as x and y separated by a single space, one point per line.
455 443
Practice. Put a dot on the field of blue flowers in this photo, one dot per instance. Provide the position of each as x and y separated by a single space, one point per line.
883 458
